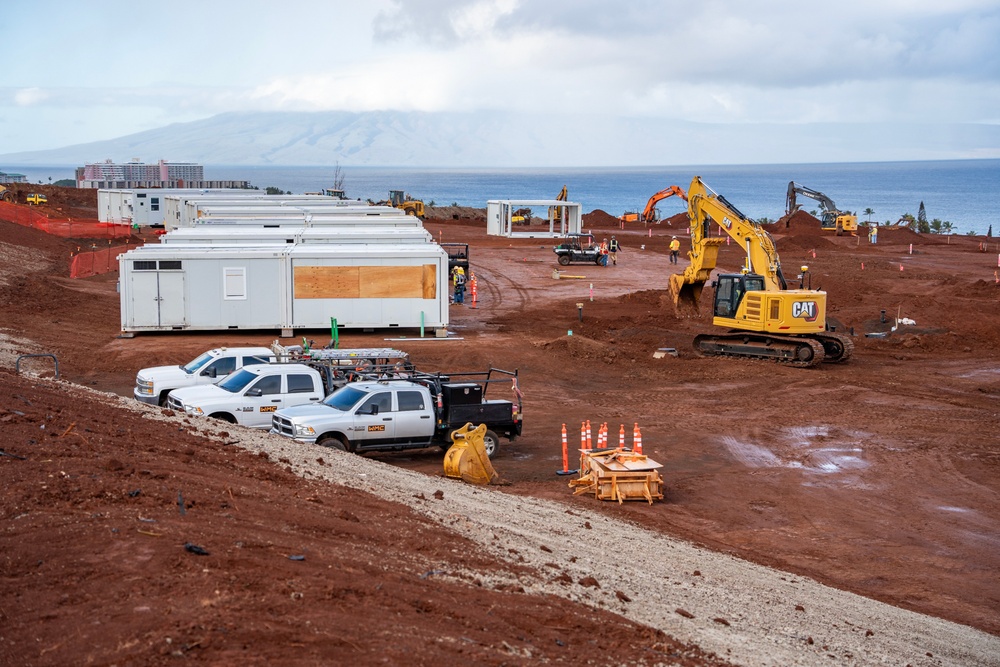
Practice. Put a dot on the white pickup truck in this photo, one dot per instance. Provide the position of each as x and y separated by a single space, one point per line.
153 384
399 414
251 395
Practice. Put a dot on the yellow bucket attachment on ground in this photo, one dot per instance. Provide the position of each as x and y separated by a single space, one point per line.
466 459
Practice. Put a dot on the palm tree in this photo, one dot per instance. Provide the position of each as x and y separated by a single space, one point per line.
869 212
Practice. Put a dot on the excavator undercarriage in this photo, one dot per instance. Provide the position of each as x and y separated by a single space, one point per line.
802 351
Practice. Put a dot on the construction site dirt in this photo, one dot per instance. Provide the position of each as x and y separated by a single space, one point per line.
879 476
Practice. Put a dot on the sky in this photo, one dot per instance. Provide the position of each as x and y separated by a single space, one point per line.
77 72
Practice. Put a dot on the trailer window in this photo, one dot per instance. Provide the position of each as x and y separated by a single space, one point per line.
154 204
234 279
170 265
143 265
410 400
300 384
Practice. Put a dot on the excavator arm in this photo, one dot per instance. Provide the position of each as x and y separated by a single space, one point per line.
649 213
704 207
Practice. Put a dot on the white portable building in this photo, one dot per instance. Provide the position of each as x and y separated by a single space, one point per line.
305 286
180 209
222 235
146 206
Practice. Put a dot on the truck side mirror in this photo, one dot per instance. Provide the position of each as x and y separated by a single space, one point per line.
374 410
254 391
210 372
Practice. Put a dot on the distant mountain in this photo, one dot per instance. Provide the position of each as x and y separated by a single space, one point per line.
498 139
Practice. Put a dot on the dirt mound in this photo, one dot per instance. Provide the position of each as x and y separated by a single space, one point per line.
459 214
900 235
63 202
600 219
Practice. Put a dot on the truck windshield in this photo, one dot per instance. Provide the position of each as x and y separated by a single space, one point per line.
344 399
238 381
195 366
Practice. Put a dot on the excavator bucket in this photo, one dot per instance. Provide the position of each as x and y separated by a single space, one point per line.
466 459
685 295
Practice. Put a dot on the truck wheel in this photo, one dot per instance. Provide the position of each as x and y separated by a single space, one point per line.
491 443
564 260
224 416
335 442
163 398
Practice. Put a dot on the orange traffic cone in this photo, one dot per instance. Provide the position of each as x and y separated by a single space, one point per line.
565 469
636 439
588 435
621 437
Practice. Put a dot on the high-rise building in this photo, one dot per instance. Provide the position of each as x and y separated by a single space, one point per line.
136 174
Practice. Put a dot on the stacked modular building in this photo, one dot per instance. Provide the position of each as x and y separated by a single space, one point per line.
297 265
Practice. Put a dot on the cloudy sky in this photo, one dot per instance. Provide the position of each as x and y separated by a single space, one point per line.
76 72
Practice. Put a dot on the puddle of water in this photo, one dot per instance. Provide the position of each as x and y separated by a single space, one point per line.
751 455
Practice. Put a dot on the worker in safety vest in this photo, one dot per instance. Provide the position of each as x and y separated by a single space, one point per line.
613 248
458 279
675 248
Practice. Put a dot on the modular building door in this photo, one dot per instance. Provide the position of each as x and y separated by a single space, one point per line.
158 298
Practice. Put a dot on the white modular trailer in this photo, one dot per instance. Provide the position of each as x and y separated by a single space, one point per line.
329 222
363 286
181 209
242 236
147 206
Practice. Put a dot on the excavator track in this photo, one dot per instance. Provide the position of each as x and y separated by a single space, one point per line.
793 350
837 347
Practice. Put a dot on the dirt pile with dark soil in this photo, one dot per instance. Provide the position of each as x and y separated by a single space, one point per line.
878 477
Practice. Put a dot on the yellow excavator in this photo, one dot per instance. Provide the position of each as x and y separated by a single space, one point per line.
764 318
832 218
649 214
6 195
555 212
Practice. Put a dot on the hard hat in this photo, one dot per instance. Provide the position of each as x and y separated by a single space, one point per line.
673 237
459 270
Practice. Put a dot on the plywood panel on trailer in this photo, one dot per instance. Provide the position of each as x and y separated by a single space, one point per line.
365 282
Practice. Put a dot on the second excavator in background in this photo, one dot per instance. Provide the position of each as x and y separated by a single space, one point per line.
6 195
831 218
764 318
650 214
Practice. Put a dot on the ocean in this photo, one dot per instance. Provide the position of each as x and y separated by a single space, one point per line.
965 193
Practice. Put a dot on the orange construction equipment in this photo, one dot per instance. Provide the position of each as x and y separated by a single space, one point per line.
649 213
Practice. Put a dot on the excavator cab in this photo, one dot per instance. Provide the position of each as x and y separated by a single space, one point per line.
730 289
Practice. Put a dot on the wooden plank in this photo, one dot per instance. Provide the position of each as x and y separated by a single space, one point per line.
365 282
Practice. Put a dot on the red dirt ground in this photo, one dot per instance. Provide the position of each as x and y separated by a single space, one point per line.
879 476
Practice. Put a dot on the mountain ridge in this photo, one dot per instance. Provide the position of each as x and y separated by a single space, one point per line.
502 139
